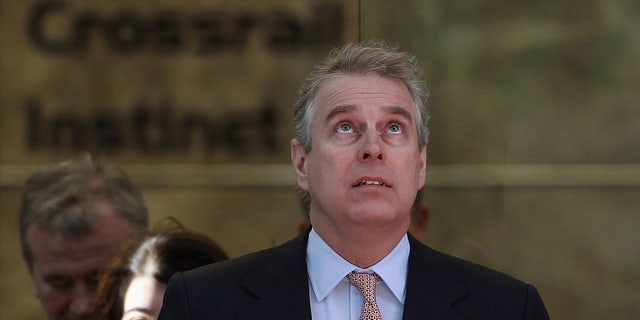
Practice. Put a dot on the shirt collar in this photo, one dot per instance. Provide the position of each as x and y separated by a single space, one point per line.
327 268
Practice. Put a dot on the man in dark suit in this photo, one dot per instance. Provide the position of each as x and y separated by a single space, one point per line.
360 150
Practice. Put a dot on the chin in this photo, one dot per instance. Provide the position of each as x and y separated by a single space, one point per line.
374 215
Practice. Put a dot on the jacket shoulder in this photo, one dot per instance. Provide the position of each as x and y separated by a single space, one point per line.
470 288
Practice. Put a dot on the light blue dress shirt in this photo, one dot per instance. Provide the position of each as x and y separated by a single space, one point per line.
333 297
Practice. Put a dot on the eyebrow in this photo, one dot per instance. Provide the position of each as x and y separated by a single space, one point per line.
58 276
340 110
53 276
350 107
400 111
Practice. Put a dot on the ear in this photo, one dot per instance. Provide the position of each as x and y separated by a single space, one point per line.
299 160
423 166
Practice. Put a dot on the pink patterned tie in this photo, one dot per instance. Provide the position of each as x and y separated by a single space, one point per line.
366 284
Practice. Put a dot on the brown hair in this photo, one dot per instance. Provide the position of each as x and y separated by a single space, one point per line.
169 248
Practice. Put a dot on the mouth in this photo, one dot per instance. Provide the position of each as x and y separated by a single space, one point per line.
377 183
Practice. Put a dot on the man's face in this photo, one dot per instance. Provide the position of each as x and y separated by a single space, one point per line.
365 165
65 270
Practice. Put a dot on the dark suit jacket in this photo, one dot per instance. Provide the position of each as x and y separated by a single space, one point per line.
272 284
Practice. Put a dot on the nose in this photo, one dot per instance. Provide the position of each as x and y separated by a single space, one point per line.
83 302
372 148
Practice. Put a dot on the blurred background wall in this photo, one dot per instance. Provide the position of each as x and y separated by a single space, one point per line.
533 154
536 129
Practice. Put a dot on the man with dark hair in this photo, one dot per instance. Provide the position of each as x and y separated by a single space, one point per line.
74 217
360 151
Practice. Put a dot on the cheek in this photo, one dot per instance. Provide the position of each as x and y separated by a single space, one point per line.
157 300
324 178
325 159
332 169
45 292
54 302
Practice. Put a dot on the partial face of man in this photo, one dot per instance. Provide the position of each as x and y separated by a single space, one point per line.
365 165
65 270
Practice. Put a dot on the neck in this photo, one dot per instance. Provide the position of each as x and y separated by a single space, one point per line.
361 246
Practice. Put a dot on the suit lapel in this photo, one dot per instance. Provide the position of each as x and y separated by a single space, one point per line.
280 285
431 287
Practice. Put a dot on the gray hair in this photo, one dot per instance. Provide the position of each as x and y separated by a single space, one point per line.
64 199
362 58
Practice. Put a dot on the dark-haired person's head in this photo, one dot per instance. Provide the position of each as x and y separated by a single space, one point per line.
133 285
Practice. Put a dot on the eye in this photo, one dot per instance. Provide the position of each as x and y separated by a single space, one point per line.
395 129
60 283
92 280
345 128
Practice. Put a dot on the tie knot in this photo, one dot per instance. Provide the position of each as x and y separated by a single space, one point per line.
365 282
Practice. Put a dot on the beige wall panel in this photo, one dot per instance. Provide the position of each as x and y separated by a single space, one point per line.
159 81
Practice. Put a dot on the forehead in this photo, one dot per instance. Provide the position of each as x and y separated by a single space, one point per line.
144 295
363 90
53 252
